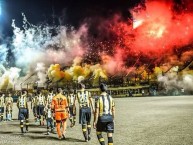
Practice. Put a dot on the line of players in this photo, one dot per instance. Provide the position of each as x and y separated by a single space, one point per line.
43 109
8 103
56 108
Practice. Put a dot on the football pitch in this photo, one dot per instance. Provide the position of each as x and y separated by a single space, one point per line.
163 120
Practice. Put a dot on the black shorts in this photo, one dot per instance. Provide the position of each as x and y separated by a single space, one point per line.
72 113
9 111
105 127
23 114
85 115
40 110
1 109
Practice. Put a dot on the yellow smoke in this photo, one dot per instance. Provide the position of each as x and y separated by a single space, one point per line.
157 70
5 82
76 72
87 70
67 76
56 74
144 75
98 72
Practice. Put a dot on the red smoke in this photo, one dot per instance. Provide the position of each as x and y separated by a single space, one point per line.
157 29
161 32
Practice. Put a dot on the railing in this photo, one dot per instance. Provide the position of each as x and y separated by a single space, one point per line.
131 91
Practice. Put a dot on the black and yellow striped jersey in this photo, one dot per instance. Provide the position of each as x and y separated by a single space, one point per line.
105 103
49 98
22 102
83 97
48 112
2 101
8 108
41 100
9 100
34 101
71 99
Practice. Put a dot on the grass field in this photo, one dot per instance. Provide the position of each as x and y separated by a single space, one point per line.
139 121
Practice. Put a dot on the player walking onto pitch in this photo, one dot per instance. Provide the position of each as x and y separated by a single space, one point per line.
2 104
49 119
50 96
72 108
41 101
85 104
9 107
34 106
104 116
23 110
60 108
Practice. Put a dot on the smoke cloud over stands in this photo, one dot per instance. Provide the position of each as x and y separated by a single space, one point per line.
157 38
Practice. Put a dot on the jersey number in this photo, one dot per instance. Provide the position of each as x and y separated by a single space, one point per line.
59 101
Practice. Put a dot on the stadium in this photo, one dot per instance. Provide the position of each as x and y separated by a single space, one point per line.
141 49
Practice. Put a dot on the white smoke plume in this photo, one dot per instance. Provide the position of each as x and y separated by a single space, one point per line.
174 80
9 77
41 73
187 82
42 43
3 53
37 43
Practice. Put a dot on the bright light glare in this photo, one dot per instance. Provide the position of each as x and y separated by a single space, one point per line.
137 23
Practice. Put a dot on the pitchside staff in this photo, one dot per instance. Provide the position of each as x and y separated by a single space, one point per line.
85 104
2 104
104 116
23 110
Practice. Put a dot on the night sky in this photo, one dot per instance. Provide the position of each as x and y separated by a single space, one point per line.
71 12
